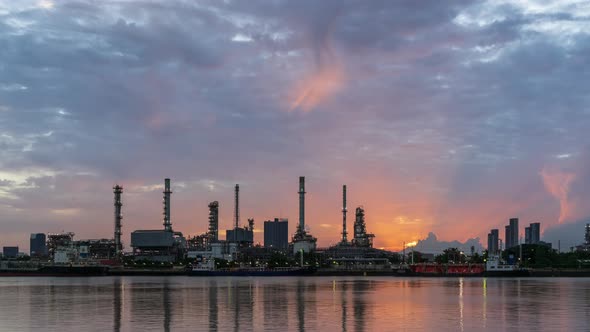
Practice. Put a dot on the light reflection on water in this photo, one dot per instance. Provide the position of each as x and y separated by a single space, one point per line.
293 304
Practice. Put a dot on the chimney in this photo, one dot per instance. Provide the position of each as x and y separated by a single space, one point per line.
344 233
302 204
118 190
167 192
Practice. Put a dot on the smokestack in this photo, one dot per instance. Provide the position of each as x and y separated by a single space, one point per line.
236 212
118 190
302 204
237 207
167 192
344 233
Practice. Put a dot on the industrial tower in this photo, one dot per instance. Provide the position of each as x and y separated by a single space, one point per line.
213 233
301 240
167 192
361 237
344 233
118 190
236 211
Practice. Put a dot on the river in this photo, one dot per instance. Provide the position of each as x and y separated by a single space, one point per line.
294 304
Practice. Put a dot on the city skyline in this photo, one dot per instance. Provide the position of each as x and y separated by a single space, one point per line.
451 121
430 244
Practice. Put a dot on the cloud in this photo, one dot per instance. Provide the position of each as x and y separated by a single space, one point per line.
431 244
444 113
558 184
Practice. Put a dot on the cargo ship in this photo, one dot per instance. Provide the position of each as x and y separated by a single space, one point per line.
493 268
26 269
208 270
446 270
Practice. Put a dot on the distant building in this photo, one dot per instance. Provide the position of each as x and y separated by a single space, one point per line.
511 236
38 245
532 234
157 245
493 241
586 245
276 234
10 252
507 237
535 232
514 232
240 235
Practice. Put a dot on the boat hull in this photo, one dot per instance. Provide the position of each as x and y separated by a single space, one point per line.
249 273
57 271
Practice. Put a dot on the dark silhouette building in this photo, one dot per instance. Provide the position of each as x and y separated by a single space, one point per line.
10 252
276 233
512 233
532 234
493 242
38 245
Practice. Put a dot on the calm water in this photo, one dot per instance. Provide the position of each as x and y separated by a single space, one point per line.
293 304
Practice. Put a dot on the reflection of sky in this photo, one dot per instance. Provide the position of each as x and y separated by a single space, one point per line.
295 304
442 118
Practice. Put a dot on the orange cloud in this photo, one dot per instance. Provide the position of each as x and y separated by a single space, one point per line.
558 184
317 88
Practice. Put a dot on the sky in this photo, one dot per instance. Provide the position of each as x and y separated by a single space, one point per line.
442 117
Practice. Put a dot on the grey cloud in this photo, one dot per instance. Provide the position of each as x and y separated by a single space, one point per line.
152 89
431 244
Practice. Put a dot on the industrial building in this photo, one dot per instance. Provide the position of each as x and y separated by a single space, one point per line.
163 245
10 252
358 253
97 249
302 241
586 245
38 245
493 242
59 241
276 234
243 236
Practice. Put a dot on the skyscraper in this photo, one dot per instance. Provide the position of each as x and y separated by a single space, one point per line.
493 241
513 232
38 246
507 237
535 232
527 235
276 234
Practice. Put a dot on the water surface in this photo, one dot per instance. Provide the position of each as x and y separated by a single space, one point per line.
293 304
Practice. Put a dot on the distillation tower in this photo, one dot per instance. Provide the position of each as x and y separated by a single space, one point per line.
118 190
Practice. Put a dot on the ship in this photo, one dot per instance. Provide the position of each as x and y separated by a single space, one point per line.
209 270
446 270
494 267
27 269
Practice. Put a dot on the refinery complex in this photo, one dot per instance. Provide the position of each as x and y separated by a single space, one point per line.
168 251
167 245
